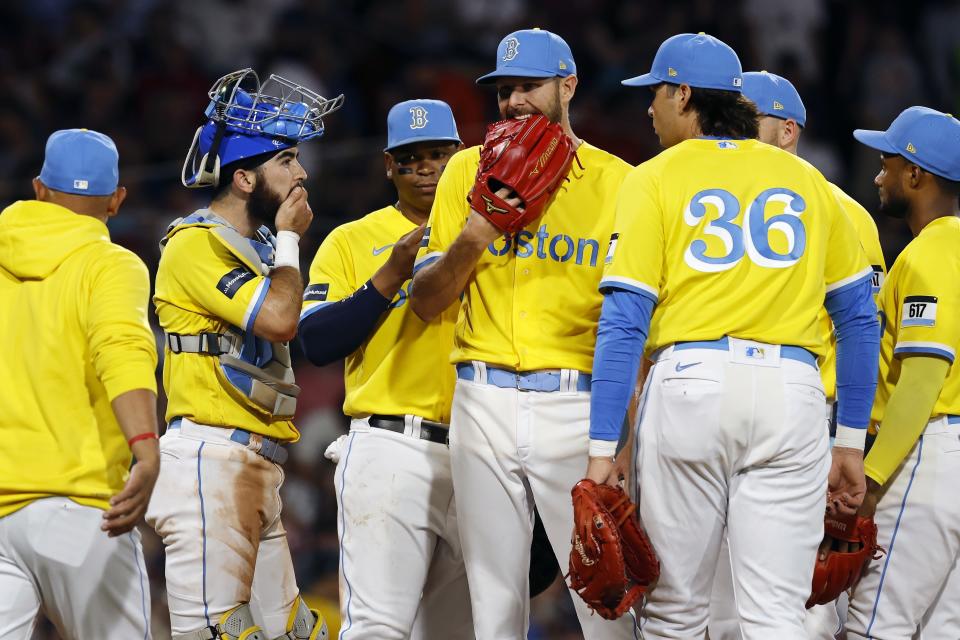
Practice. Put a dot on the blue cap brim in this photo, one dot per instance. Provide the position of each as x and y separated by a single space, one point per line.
875 140
414 140
515 72
646 80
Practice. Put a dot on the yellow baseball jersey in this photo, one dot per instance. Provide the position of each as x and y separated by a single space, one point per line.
74 336
532 302
403 367
732 238
920 311
869 238
202 286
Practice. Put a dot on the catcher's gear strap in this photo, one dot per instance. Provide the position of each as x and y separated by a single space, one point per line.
213 344
304 623
235 624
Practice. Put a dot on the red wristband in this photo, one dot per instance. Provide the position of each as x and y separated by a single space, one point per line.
142 436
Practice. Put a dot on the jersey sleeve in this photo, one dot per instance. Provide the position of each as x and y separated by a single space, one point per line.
450 208
214 279
928 317
332 276
121 343
846 263
635 254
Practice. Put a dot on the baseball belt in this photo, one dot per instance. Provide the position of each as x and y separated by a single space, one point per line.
432 431
269 448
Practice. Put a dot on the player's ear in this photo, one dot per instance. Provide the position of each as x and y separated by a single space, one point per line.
683 94
789 132
40 190
914 175
388 164
116 199
568 87
245 180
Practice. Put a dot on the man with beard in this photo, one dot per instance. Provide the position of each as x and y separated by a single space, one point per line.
400 559
228 298
523 347
913 468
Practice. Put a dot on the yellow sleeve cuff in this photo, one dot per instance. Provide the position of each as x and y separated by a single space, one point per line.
135 373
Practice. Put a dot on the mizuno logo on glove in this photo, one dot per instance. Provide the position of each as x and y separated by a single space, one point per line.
491 208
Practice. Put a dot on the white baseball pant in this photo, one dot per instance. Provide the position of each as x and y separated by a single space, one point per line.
54 558
401 570
732 436
914 590
216 505
509 450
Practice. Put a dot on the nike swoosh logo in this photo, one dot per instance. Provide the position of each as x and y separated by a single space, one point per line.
682 367
377 251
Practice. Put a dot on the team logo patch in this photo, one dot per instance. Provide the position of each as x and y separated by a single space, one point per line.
513 48
316 292
491 208
611 248
726 144
911 148
671 72
419 117
777 106
756 352
231 282
919 311
83 185
738 82
562 65
878 277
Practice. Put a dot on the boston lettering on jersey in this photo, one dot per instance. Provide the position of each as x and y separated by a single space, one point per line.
560 248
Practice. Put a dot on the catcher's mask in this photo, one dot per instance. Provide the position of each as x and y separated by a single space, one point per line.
246 118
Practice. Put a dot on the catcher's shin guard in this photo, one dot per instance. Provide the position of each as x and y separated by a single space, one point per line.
235 624
304 623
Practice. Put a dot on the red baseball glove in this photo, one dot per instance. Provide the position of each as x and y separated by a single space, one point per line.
529 155
612 562
841 570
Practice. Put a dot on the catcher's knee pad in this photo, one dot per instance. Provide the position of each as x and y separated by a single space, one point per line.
235 624
304 623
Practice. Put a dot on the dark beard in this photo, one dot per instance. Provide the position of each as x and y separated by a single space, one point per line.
264 203
895 207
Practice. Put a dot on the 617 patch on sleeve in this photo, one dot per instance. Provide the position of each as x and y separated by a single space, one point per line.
919 311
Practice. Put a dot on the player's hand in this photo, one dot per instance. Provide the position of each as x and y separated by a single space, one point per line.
479 230
604 470
399 266
846 484
128 506
295 213
869 507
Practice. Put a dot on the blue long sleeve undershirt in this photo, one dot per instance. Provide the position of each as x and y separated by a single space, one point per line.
335 330
621 335
854 317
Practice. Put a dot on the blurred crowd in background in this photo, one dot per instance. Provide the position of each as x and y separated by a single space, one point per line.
138 70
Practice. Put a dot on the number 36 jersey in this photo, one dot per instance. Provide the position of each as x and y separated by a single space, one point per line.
732 238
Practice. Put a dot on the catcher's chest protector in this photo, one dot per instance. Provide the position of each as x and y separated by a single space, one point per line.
255 371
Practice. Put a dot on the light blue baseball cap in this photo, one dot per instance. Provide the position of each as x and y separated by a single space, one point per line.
82 162
420 121
926 137
532 53
774 96
695 59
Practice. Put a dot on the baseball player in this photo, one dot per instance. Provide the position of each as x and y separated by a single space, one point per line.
78 397
724 250
523 344
782 119
228 297
397 520
913 468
